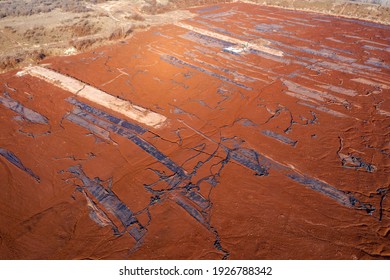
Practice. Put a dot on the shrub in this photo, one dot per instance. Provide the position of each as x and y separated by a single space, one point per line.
37 55
120 33
84 44
83 28
9 61
136 17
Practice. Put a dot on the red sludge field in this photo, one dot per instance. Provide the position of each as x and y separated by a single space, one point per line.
246 132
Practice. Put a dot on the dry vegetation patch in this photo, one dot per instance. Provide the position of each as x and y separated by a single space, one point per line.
135 16
153 7
13 61
120 33
31 7
84 44
82 28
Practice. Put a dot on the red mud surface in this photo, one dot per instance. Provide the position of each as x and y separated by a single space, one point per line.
262 156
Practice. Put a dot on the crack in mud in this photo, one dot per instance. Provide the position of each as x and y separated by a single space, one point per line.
351 161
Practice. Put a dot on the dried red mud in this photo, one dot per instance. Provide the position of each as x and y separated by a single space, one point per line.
262 156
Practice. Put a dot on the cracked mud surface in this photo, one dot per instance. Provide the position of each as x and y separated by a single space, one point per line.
278 154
